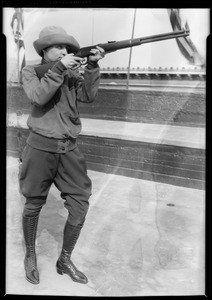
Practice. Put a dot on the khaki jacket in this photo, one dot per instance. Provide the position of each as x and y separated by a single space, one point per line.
54 99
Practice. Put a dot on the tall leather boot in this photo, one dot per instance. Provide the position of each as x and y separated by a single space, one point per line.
64 263
30 261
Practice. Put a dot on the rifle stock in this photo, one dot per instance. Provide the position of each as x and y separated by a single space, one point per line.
114 46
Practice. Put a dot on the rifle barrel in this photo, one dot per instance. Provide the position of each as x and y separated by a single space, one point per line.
113 46
166 36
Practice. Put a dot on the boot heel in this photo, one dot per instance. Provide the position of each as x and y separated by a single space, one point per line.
59 271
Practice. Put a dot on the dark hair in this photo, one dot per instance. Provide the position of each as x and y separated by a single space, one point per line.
42 54
45 49
68 48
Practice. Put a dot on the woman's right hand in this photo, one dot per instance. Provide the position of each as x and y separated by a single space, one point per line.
70 61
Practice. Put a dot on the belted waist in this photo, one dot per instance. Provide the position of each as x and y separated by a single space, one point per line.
50 144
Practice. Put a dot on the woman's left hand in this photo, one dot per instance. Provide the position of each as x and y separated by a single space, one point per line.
98 53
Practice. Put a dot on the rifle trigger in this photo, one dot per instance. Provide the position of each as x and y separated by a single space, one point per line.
84 62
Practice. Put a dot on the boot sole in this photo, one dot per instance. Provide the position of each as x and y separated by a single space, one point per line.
61 272
31 281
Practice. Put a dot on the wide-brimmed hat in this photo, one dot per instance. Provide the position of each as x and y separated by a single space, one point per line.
54 35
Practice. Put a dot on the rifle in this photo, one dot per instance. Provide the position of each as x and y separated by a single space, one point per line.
114 46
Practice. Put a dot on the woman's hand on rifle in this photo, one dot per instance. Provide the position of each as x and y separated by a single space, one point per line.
70 61
97 54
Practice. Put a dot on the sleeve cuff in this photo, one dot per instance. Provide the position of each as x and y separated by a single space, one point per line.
58 68
92 65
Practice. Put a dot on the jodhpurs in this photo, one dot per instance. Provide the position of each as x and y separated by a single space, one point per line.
68 171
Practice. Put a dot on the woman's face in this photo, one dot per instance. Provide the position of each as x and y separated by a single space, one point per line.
55 52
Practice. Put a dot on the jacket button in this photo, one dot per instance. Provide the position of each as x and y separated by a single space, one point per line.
62 148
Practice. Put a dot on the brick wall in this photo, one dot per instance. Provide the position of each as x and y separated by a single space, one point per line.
177 108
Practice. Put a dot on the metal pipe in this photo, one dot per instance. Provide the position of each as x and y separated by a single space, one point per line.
128 73
18 28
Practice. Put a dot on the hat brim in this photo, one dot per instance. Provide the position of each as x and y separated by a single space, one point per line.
54 39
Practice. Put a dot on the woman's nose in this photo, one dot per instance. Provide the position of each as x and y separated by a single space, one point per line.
64 51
